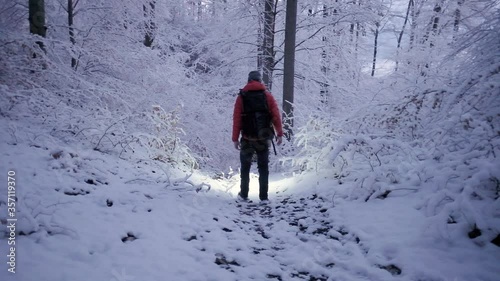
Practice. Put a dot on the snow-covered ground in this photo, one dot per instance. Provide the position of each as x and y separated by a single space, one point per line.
85 215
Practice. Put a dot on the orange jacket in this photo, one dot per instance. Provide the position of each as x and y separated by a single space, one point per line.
271 103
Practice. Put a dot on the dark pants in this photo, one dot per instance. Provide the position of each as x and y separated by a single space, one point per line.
248 148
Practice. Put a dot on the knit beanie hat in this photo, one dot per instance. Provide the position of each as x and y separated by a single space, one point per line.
254 75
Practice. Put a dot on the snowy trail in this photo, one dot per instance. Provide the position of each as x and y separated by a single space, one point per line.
84 215
288 239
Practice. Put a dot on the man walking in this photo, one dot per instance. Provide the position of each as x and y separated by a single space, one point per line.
255 115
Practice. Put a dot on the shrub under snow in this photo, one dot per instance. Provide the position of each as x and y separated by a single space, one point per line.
442 143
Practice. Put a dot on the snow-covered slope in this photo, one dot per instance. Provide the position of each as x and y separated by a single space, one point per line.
85 215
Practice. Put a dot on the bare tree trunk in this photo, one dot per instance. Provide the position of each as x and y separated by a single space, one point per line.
358 28
400 37
268 43
289 67
260 51
336 31
430 36
70 10
458 16
260 42
149 14
377 24
414 14
359 32
410 4
351 27
435 23
37 20
324 64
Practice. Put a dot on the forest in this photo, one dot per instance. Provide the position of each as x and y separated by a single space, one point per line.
385 104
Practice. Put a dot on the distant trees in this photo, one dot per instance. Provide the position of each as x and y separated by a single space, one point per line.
212 44
375 45
37 19
379 12
150 25
400 37
339 44
70 9
333 31
324 92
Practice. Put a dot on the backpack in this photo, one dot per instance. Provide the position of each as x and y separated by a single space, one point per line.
256 117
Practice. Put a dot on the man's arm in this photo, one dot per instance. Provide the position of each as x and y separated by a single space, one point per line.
275 114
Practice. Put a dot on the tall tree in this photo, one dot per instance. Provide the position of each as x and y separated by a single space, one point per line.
289 66
414 14
458 15
324 63
435 22
37 19
260 45
379 14
430 35
71 14
400 37
375 46
268 42
149 14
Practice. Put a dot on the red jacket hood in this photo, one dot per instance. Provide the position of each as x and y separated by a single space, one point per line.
254 86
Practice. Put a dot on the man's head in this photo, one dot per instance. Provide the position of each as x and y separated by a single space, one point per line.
254 76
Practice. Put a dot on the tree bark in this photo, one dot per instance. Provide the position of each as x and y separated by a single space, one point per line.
410 4
289 67
400 37
71 9
437 10
377 24
413 14
149 14
434 26
458 15
324 64
260 44
37 19
268 43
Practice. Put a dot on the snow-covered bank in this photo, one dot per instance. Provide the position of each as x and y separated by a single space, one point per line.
85 215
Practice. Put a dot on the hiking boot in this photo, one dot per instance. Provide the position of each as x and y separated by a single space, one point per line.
241 197
264 201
